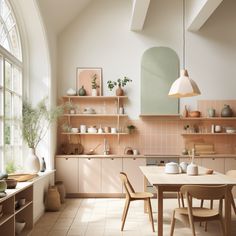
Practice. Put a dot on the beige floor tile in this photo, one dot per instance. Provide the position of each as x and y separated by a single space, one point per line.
77 231
58 233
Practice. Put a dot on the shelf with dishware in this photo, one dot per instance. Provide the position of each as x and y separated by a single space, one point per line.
16 210
207 134
96 115
106 134
209 118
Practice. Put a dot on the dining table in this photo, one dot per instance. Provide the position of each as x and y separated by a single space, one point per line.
163 182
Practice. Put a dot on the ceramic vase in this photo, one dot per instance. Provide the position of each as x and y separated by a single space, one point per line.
119 91
33 163
94 92
82 91
226 111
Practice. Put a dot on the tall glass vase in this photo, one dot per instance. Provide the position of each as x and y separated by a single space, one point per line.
33 163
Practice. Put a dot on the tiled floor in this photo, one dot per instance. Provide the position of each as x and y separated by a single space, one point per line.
96 217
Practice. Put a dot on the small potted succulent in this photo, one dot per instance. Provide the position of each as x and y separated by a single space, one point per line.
130 128
94 85
120 83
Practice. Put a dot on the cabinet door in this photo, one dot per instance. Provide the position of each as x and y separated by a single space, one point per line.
90 175
230 164
111 168
131 168
67 171
217 164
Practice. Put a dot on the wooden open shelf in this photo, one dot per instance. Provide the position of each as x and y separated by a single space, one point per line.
24 213
96 97
209 118
207 134
96 115
108 134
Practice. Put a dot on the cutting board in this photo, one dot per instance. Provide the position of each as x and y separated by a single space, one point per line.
204 148
22 177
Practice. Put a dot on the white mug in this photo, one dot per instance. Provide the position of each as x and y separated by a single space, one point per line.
135 151
217 128
82 129
113 130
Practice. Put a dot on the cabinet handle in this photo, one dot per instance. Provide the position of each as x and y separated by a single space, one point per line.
89 158
67 158
134 158
112 159
213 159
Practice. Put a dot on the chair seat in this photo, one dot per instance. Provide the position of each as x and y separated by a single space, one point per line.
141 195
198 212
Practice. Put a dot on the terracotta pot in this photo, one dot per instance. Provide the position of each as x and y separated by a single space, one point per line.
119 91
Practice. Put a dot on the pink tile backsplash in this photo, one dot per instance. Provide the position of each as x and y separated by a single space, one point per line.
155 135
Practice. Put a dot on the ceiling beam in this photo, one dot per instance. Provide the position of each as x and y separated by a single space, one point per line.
139 13
203 13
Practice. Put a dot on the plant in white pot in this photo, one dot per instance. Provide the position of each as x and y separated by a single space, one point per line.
35 124
94 85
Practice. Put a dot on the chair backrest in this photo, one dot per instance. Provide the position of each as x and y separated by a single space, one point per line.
231 173
205 192
128 187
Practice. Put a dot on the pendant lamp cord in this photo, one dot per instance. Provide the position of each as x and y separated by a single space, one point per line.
183 34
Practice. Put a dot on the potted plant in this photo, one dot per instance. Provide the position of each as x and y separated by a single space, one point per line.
71 107
35 124
94 85
120 83
130 128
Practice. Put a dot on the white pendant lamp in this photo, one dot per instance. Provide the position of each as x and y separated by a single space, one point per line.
184 86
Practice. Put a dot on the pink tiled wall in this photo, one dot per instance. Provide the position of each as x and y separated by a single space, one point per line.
156 135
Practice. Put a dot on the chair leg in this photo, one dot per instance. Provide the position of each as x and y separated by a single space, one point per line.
150 213
192 225
178 197
126 202
222 226
125 214
172 224
201 205
233 203
182 199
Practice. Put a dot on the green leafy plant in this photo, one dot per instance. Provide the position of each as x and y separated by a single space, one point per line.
71 106
94 82
130 128
37 120
10 167
119 82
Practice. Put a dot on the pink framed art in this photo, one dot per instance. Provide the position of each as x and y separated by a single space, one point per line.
85 76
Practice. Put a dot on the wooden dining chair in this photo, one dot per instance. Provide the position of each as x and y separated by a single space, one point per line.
191 214
131 195
232 173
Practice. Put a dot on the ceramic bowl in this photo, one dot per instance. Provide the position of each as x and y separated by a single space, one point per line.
74 130
11 183
19 226
194 113
92 130
71 92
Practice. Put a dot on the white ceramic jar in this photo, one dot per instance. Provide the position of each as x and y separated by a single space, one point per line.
83 129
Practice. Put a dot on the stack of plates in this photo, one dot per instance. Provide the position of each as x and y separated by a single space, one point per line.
230 130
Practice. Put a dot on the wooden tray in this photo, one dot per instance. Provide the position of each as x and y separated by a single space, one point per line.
22 177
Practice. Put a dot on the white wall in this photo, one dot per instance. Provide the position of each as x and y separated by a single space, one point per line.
100 37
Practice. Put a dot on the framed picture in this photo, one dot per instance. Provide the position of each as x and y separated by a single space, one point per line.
85 76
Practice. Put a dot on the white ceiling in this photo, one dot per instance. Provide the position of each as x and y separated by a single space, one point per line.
59 13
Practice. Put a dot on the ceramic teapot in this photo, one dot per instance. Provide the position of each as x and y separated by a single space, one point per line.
172 168
183 165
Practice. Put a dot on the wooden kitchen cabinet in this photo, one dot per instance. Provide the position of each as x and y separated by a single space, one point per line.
68 172
90 175
111 168
131 168
217 164
230 164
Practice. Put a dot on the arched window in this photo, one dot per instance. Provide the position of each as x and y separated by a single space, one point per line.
10 89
